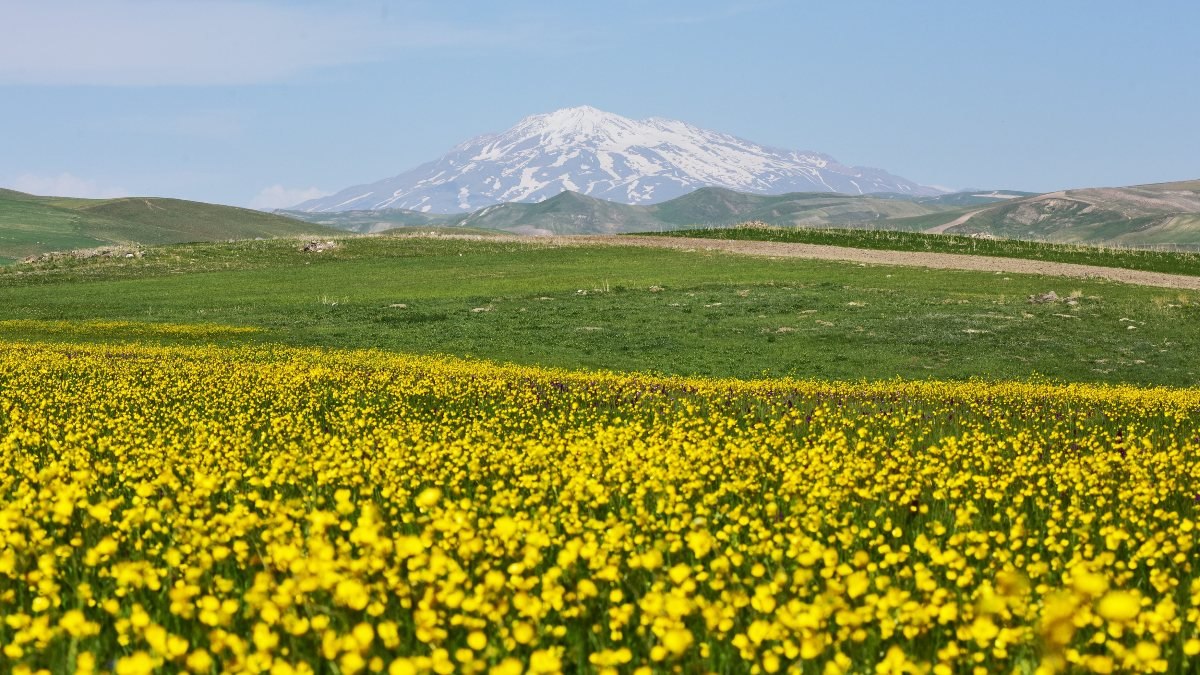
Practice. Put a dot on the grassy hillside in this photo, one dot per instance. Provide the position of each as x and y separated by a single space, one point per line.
973 197
371 222
616 308
574 213
720 206
1146 215
31 224
566 213
1163 213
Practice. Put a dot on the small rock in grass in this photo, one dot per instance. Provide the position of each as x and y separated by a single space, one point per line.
318 246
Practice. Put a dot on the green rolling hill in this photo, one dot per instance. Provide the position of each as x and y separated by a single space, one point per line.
1144 215
970 198
574 213
718 206
370 222
1141 215
30 224
1167 213
566 213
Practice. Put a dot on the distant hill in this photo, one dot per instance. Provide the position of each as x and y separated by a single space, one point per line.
972 197
1165 213
574 213
369 222
31 224
568 213
1161 213
718 206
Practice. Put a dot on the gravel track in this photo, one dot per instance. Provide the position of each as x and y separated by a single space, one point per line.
947 261
941 229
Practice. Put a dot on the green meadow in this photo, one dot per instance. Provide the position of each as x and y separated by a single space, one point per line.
618 308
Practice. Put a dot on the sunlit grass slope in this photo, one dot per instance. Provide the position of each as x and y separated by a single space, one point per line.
30 224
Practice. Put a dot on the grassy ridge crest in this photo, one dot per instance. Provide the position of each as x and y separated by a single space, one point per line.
30 224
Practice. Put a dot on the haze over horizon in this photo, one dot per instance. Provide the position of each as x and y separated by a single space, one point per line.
266 104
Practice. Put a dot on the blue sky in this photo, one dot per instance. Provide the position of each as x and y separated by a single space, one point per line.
265 103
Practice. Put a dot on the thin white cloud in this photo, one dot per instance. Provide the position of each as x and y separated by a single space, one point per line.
209 42
280 197
65 185
212 124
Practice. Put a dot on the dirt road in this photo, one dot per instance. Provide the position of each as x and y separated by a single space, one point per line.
939 229
949 261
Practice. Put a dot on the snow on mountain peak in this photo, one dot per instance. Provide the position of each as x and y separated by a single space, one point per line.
608 156
582 118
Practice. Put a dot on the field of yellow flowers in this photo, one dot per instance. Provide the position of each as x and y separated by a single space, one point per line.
281 510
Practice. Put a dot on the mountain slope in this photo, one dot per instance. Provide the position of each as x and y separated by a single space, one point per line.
575 213
369 222
31 224
813 209
1167 213
610 157
1162 213
974 197
566 213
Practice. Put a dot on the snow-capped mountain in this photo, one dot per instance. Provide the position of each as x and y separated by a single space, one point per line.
610 157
